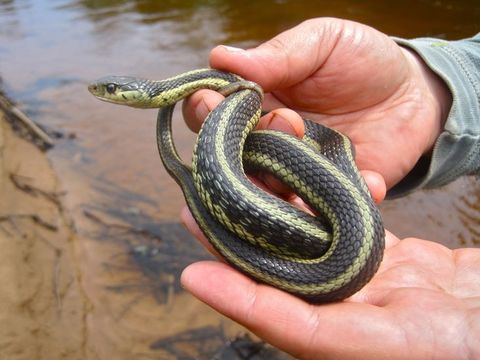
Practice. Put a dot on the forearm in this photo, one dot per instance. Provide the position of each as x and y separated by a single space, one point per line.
456 151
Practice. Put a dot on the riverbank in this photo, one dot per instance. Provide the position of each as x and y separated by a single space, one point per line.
42 308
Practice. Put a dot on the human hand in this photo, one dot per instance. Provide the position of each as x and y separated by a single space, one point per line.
357 80
423 303
347 76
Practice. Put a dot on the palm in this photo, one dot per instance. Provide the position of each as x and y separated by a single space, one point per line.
421 287
415 307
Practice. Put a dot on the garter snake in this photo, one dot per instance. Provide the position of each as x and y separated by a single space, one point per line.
320 258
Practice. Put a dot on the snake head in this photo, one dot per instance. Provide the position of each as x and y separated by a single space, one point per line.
124 90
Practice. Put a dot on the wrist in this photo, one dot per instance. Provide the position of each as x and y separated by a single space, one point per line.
437 94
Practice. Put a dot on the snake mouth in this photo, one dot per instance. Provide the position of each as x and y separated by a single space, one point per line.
121 90
99 91
111 92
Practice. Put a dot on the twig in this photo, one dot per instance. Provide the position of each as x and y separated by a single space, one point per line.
127 228
34 217
15 112
37 131
21 183
6 231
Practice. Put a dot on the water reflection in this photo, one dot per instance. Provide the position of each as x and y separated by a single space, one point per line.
259 20
10 24
449 215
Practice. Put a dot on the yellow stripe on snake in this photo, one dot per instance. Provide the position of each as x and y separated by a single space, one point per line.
320 258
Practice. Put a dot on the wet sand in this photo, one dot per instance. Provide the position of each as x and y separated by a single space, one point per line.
41 295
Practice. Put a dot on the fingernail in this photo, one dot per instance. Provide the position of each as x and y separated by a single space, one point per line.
201 110
281 124
232 49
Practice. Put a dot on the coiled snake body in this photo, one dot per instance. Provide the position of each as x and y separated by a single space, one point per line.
318 258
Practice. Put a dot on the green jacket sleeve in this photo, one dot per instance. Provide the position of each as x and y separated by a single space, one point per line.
457 149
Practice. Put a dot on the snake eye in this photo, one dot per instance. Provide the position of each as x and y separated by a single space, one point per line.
111 88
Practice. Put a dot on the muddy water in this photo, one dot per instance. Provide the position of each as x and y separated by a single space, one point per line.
124 205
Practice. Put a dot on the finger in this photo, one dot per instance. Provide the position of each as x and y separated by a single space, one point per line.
247 302
341 330
390 240
376 185
280 62
197 106
285 120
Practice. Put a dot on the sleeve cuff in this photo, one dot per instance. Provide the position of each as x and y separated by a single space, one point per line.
457 149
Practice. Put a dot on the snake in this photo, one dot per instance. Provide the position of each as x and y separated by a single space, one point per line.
324 254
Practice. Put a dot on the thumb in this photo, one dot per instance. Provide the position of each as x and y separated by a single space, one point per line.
285 60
